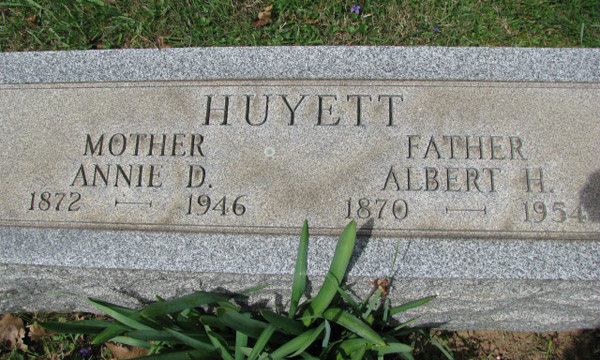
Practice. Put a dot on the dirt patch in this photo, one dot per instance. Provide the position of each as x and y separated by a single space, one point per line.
505 345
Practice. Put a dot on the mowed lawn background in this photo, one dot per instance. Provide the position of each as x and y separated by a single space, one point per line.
27 25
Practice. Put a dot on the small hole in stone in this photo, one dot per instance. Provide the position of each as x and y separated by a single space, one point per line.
269 151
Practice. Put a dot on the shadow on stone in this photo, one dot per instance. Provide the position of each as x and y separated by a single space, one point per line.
142 300
243 300
363 235
590 197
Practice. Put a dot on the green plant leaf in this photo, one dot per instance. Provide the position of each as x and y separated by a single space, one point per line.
181 355
121 309
348 348
343 252
372 304
297 344
131 319
217 342
109 333
327 336
443 348
74 327
405 324
299 285
346 296
386 310
406 356
410 305
263 339
307 356
284 324
239 322
131 341
160 335
212 321
392 348
190 341
241 341
185 302
353 324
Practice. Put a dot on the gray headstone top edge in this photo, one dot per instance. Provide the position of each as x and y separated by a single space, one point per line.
301 62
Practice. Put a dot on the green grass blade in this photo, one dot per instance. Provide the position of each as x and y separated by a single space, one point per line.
327 334
116 312
405 324
443 348
299 285
241 341
34 4
13 4
343 252
346 297
190 341
218 344
284 324
394 260
353 324
386 310
372 304
131 341
263 339
239 322
189 301
410 305
73 327
109 333
98 2
297 344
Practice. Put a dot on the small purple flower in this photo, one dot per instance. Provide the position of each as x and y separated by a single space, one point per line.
87 352
355 9
436 29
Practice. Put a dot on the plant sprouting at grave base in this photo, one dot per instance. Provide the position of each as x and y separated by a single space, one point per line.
206 326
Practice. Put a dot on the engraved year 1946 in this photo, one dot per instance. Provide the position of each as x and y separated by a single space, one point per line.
201 204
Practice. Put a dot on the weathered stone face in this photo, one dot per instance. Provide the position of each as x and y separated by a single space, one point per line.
473 174
413 158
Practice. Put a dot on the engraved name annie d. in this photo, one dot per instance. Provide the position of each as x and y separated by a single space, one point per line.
139 146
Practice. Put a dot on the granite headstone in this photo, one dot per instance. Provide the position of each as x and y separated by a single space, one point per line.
134 173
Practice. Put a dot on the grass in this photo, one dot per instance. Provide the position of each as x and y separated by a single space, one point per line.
27 25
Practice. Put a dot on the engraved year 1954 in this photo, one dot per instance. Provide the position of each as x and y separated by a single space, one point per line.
539 211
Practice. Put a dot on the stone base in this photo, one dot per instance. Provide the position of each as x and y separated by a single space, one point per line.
525 285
